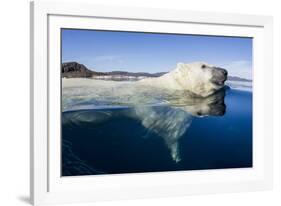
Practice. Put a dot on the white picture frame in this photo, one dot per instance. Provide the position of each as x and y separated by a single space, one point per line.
46 184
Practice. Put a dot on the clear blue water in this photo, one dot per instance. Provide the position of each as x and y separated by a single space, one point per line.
216 134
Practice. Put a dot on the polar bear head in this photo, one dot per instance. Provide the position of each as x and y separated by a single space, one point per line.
200 78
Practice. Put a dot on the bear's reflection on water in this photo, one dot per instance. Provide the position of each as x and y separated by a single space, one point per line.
169 122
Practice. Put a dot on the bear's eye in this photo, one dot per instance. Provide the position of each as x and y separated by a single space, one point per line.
203 66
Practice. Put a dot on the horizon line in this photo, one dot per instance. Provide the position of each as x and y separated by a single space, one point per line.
138 71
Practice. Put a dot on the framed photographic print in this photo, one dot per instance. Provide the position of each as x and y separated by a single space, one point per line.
136 103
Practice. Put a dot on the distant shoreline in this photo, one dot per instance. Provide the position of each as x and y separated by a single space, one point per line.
76 70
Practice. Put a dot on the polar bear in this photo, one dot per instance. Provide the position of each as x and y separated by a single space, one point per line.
168 122
200 78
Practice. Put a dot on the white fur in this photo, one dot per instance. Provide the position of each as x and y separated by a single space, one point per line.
190 77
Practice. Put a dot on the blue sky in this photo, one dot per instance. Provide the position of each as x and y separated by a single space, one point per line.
146 52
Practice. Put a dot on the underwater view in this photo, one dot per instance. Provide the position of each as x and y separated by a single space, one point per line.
163 132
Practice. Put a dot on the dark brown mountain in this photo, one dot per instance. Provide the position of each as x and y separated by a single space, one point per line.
74 69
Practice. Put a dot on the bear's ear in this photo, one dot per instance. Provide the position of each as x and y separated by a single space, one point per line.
179 65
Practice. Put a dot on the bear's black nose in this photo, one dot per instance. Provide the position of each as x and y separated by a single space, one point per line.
224 71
